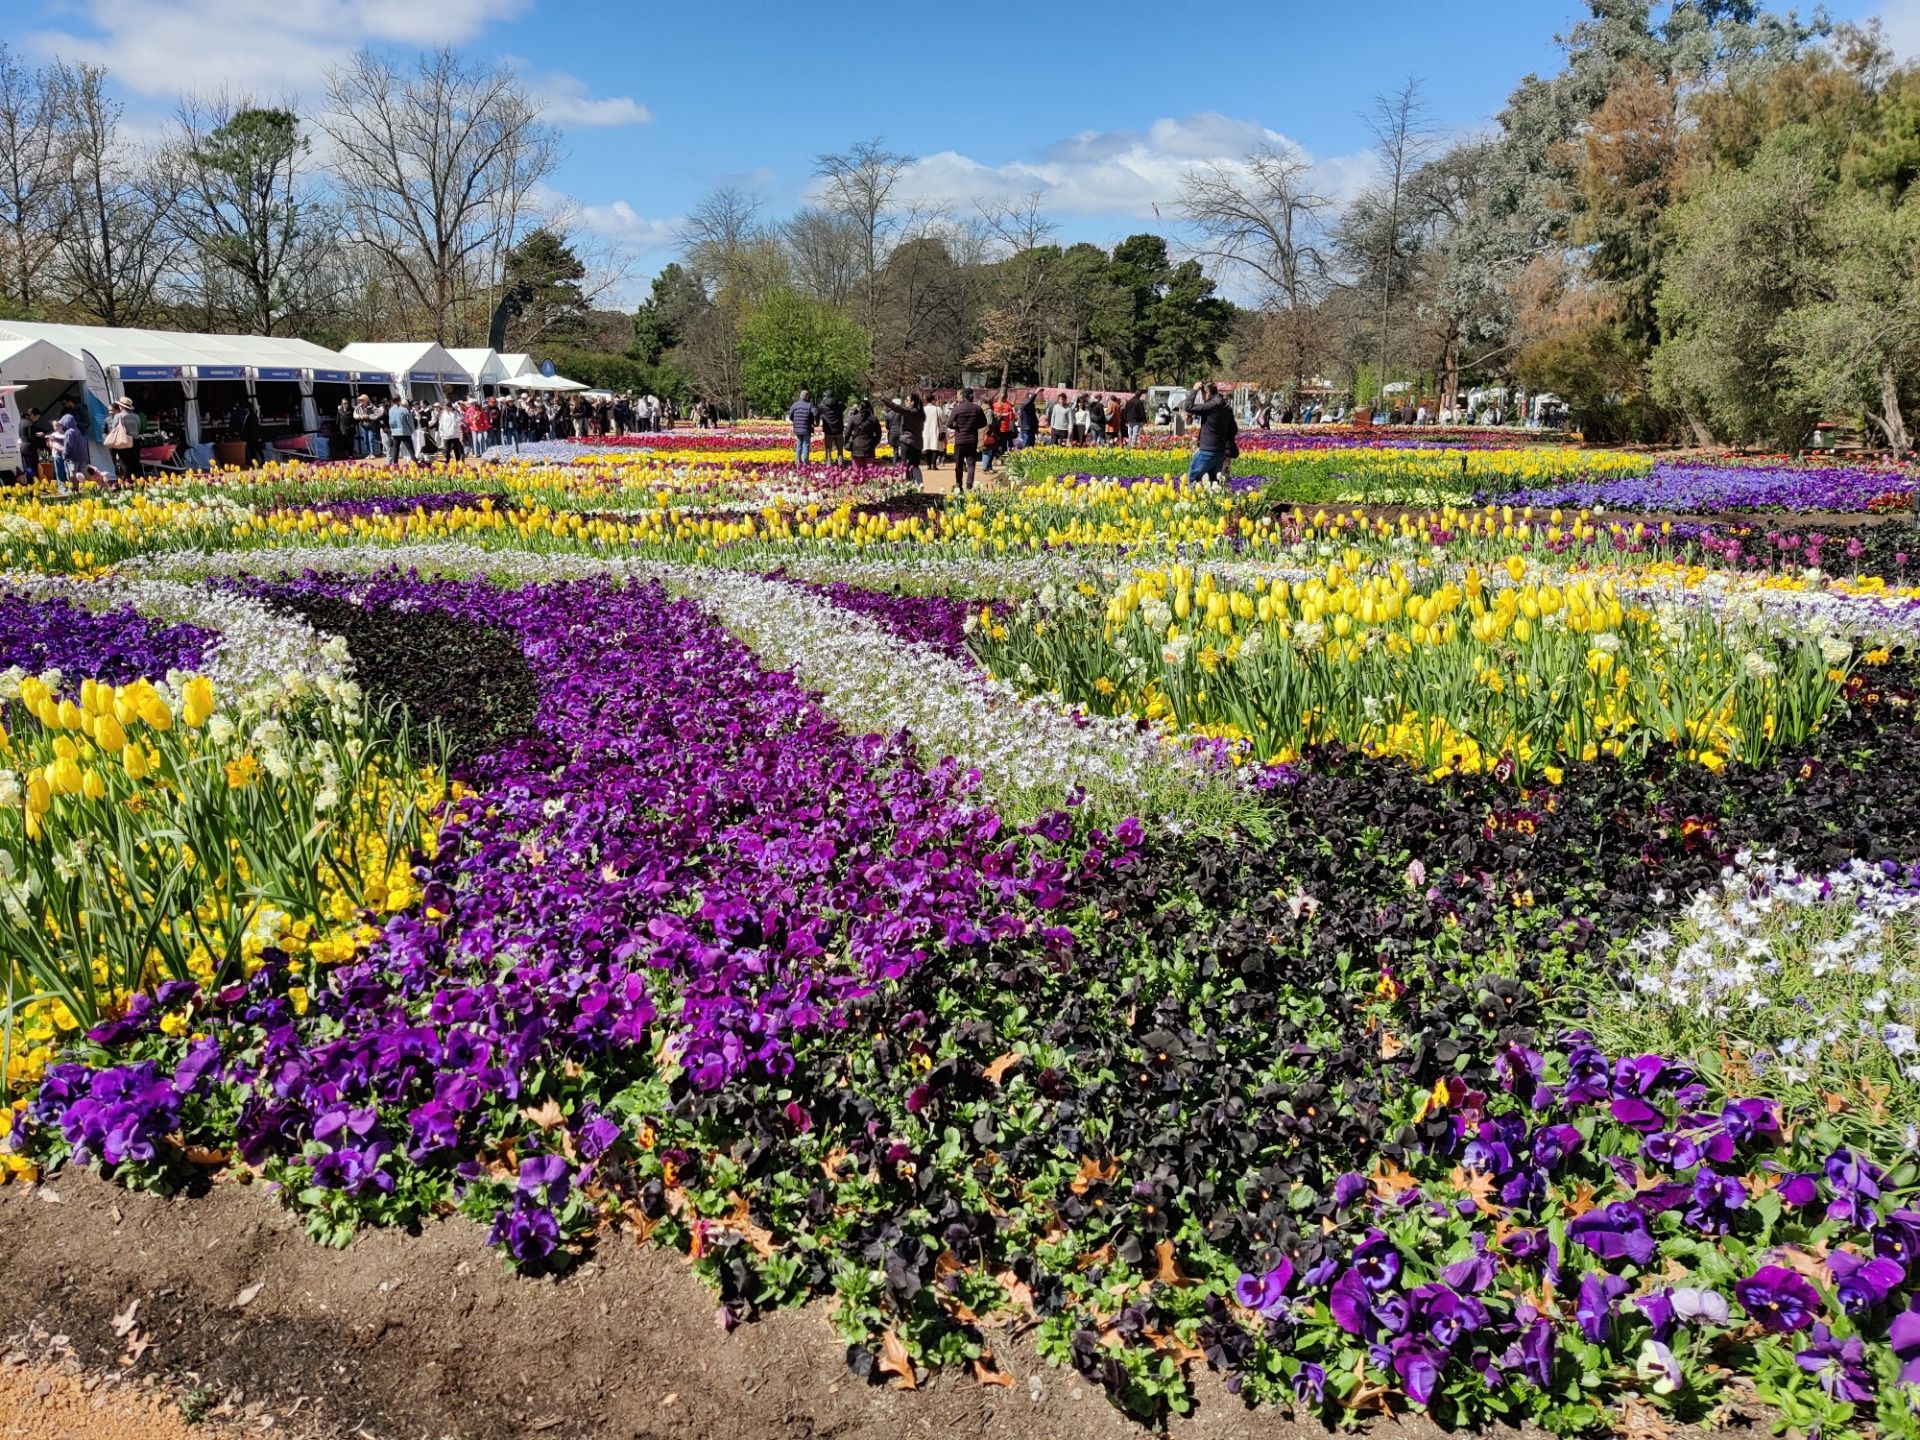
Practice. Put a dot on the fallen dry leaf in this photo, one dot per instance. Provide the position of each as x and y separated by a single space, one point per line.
247 1296
894 1360
1093 1171
740 1220
1640 1421
998 1069
984 1372
1389 1179
548 1116
1167 1269
1018 1291
124 1321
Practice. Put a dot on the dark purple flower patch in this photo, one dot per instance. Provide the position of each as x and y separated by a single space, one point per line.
935 620
116 646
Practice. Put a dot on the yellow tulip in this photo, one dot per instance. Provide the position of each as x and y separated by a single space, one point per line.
196 701
108 734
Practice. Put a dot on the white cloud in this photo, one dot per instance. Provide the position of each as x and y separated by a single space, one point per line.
164 47
565 100
1902 21
627 228
1119 172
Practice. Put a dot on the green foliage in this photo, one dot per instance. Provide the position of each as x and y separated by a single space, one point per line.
1599 372
790 343
1743 247
660 323
1185 325
547 275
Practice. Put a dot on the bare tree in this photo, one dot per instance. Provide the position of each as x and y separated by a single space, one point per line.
33 200
112 256
859 186
435 168
1026 284
248 209
1398 122
1265 216
825 249
733 251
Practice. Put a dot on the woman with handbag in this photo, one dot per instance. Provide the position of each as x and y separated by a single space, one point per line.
123 440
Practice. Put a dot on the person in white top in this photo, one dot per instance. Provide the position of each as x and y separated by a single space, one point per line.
453 432
1060 419
933 435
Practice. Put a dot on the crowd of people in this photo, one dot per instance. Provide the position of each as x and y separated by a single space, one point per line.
370 427
924 432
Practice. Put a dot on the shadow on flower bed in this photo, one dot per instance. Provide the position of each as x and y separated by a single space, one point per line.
469 679
792 1002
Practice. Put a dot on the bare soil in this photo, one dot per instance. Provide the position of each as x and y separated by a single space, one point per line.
426 1336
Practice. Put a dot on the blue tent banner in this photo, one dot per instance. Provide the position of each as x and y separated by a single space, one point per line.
220 372
424 377
334 377
276 374
149 372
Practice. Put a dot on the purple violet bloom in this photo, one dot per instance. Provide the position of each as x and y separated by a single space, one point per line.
1781 1300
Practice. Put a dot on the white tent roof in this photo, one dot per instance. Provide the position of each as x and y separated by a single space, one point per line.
483 366
407 358
128 349
22 361
538 381
518 362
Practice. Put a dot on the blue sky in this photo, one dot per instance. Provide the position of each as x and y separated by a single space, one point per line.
1101 110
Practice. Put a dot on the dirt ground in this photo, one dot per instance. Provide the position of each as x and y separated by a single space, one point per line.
426 1336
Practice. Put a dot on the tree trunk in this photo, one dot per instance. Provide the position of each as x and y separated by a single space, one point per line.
1450 369
1890 418
1702 436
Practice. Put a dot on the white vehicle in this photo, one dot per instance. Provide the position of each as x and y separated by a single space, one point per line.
10 465
1171 396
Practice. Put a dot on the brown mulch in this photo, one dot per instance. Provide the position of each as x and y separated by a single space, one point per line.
425 1336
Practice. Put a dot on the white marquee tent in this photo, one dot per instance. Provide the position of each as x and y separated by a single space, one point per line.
275 370
421 370
484 369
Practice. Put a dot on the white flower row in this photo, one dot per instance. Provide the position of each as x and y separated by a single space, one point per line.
1031 753
256 648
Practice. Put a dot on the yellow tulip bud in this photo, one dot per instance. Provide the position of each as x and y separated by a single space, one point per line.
92 786
196 701
108 734
39 794
64 777
134 759
70 716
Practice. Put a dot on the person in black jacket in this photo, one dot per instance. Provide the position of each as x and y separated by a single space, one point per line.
833 427
1214 445
1028 422
863 433
966 422
1134 416
910 421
